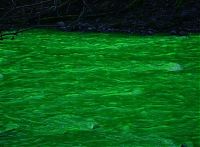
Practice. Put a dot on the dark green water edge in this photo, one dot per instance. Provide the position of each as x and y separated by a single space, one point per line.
90 89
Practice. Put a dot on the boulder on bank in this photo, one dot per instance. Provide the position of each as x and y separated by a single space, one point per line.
61 25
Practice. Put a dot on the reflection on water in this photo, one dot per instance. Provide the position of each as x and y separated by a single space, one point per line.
76 89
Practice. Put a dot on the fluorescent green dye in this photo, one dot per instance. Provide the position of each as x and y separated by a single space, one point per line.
93 89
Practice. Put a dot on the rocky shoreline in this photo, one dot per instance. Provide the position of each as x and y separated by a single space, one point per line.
143 17
141 30
148 18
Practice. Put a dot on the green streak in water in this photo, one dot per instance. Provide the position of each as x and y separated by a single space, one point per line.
79 89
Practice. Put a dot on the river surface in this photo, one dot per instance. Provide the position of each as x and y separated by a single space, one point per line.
99 90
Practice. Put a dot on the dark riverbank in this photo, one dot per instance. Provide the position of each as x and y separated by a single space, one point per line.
142 17
145 17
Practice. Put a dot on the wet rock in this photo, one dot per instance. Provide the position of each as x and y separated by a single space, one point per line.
187 144
182 33
61 25
95 126
86 27
91 28
69 28
104 28
173 32
150 32
183 145
143 32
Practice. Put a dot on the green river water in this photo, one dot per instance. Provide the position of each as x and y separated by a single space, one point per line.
99 90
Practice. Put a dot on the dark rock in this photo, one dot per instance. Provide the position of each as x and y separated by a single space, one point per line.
96 126
86 27
128 31
183 145
182 33
150 32
69 28
173 32
105 28
109 30
61 25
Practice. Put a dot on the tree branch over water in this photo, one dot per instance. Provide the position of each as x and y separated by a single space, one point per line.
17 15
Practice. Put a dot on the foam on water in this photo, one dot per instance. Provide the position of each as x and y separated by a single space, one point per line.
175 67
1 76
60 124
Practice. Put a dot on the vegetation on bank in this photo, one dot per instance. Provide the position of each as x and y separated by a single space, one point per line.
131 16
